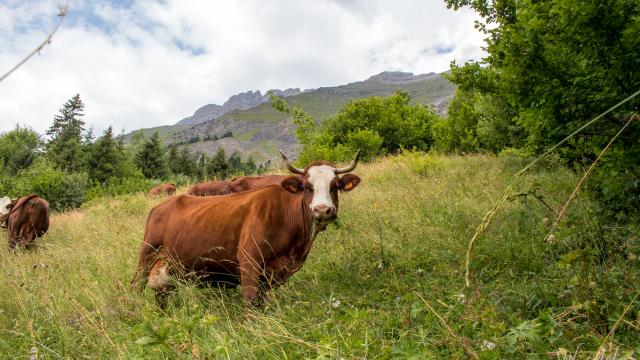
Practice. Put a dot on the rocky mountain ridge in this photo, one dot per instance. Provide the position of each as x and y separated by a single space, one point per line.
247 123
241 101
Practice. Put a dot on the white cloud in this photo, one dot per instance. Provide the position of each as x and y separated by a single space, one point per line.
153 63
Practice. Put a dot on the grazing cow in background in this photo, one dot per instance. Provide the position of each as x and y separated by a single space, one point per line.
168 189
27 219
222 187
257 238
239 184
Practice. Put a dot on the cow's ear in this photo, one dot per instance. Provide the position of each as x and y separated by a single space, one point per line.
348 182
292 184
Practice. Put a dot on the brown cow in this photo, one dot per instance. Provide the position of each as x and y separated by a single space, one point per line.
28 218
257 238
222 187
239 184
168 189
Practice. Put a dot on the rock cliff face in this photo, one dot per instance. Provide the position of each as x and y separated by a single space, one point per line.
242 101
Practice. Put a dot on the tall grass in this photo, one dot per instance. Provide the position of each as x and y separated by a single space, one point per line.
387 281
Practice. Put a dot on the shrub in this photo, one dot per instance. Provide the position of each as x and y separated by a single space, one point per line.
62 190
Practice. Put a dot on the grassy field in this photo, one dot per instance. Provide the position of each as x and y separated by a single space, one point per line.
386 282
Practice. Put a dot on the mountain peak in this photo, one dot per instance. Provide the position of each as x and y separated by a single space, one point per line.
242 101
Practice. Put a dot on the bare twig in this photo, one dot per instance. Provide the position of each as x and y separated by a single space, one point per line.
61 14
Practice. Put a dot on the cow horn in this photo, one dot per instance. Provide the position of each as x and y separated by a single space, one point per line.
291 168
351 166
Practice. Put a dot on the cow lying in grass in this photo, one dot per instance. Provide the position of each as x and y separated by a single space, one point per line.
257 238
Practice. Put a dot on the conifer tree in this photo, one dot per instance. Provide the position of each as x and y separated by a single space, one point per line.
174 166
218 165
105 158
65 146
151 160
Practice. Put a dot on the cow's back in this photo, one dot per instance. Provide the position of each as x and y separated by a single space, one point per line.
190 228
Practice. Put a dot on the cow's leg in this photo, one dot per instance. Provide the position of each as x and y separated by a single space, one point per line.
14 237
250 281
12 242
160 281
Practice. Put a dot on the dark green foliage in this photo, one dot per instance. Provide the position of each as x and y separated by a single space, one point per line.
235 162
65 147
106 159
121 186
18 149
374 125
554 65
61 189
151 159
186 162
217 166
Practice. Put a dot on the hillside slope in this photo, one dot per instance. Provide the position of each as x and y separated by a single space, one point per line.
382 284
260 130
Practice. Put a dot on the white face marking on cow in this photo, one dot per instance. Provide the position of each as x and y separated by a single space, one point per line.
159 276
4 203
320 178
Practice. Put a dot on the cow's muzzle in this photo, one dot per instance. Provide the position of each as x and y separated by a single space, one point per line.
324 212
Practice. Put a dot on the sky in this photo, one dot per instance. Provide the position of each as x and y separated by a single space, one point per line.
145 63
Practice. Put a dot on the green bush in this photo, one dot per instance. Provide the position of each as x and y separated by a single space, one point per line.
121 186
62 190
374 125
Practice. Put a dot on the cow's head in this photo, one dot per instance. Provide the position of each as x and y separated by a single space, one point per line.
5 205
320 183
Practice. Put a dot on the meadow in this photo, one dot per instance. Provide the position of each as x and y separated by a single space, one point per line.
386 281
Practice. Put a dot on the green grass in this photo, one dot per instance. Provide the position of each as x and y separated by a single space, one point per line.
374 286
164 131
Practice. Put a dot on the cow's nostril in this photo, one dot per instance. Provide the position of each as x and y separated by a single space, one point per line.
328 211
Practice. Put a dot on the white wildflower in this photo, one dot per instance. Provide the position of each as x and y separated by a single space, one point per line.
462 299
488 344
335 303
33 353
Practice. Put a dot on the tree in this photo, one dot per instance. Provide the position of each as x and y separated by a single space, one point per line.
19 148
107 160
218 165
554 65
65 146
151 160
174 165
186 162
235 162
374 125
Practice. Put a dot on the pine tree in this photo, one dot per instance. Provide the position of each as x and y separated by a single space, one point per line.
235 162
218 166
173 159
151 159
106 159
65 146
186 162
